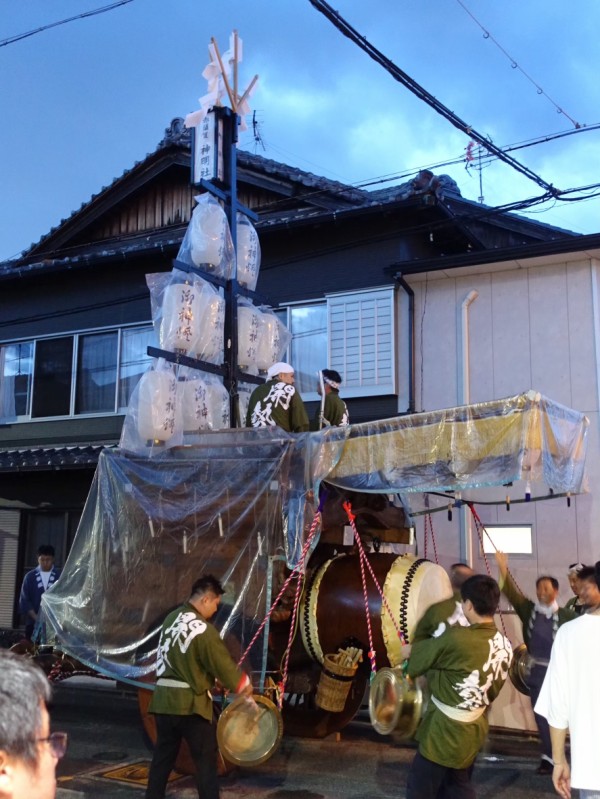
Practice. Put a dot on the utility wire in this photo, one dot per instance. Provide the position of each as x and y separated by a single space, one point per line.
515 65
402 77
92 13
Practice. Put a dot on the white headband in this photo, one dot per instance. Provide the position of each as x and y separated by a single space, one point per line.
331 383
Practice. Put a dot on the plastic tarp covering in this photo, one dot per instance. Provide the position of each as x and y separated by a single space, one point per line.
525 437
240 503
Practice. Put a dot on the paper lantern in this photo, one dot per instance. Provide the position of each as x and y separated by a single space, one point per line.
157 404
212 320
182 313
248 253
273 341
208 231
205 405
249 322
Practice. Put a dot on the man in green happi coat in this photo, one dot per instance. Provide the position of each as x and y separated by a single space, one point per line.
333 411
277 402
190 657
466 667
448 612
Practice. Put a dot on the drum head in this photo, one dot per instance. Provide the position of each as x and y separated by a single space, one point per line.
519 669
248 733
395 703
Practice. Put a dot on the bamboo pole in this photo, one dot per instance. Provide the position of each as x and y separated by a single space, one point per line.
225 81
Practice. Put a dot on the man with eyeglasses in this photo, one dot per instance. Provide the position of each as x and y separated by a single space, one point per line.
28 751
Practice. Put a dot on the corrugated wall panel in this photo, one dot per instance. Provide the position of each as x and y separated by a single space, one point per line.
9 545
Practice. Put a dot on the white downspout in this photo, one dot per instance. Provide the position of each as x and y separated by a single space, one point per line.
465 352
464 386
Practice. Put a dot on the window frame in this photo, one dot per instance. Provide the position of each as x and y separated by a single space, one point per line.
76 336
491 547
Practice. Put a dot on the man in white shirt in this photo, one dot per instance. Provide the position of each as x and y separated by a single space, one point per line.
570 699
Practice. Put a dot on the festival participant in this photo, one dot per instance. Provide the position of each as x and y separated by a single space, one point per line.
575 603
333 411
277 402
448 612
541 621
35 583
589 593
569 699
466 667
190 656
28 751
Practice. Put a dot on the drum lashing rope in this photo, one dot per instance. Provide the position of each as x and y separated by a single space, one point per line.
295 572
363 558
429 525
480 527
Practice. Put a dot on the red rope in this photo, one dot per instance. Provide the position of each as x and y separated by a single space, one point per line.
293 573
429 525
480 527
364 560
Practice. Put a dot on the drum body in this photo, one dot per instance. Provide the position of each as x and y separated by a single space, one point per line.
332 612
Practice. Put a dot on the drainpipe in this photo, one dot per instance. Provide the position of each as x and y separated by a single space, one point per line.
411 341
464 386
464 383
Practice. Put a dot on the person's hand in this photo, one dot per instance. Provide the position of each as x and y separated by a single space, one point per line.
405 651
561 777
502 561
248 690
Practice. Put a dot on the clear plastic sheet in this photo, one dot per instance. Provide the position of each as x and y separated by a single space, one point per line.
240 503
248 252
151 527
525 437
188 314
207 242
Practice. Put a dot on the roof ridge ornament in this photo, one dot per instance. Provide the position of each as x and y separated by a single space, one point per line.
176 133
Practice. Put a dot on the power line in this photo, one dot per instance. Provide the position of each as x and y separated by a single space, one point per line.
402 77
515 65
93 13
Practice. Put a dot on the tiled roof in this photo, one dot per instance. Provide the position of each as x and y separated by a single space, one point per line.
50 458
178 136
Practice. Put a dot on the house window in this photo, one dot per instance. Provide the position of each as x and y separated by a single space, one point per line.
96 373
134 361
357 330
308 326
512 539
16 369
85 373
362 341
53 368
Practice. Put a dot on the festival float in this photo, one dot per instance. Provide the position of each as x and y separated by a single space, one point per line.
293 525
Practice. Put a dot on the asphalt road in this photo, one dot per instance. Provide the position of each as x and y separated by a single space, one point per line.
108 758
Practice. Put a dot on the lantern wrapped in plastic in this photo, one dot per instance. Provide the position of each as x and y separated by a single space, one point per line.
244 393
274 339
207 242
152 420
249 323
157 405
204 402
209 345
182 315
248 252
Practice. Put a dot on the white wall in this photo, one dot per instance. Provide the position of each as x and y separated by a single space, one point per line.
533 327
